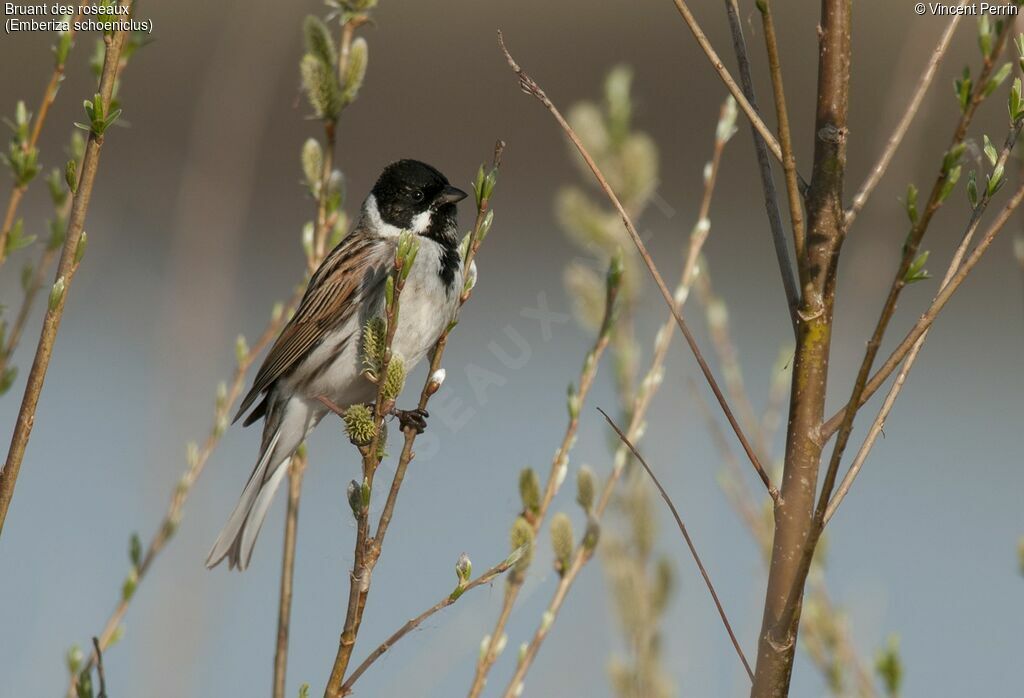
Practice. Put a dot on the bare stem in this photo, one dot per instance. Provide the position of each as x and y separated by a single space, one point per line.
296 470
100 672
66 269
530 87
723 73
689 544
923 83
764 164
410 625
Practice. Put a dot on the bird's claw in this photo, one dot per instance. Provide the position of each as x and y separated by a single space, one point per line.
412 419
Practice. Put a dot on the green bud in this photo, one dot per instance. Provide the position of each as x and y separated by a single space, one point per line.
80 247
990 150
355 70
7 379
951 179
395 379
521 539
321 87
485 225
304 691
83 688
573 402
71 176
591 534
308 233
312 164
130 583
389 292
463 571
360 425
586 487
135 550
74 659
952 157
972 188
616 267
996 80
962 88
355 498
529 491
912 204
995 180
889 667
562 542
241 349
56 294
916 271
319 42
58 194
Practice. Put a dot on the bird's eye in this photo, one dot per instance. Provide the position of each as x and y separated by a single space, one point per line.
417 195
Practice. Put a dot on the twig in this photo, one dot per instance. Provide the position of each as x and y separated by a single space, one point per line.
296 470
861 389
556 475
723 73
894 390
796 205
648 386
923 83
368 547
197 460
99 668
49 95
414 623
529 86
764 164
66 268
689 543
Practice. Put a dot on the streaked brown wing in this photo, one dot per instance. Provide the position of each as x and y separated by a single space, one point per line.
331 298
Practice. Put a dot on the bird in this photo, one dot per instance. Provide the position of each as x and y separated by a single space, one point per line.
318 353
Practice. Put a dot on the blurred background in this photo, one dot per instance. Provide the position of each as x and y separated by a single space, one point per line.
194 233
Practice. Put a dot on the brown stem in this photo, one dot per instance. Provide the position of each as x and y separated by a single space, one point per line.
764 163
689 544
368 546
923 83
726 78
49 95
777 639
410 625
284 609
861 389
796 209
100 672
66 269
529 86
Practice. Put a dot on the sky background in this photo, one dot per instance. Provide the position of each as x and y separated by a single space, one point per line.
194 234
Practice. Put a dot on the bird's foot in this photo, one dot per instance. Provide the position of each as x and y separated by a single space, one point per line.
411 419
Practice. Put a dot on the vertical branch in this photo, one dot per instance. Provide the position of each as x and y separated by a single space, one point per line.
296 470
777 640
764 163
66 268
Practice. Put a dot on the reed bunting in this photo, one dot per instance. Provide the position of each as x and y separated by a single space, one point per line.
318 352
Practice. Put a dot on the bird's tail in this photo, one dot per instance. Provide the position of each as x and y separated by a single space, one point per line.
238 537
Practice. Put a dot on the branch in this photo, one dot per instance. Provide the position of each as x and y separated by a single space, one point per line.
723 73
68 265
296 470
940 189
796 210
689 543
556 476
923 83
765 168
64 43
410 625
367 546
530 87
890 399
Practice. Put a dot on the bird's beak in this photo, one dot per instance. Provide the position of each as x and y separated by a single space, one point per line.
451 195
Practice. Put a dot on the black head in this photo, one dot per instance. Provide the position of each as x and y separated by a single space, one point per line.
412 195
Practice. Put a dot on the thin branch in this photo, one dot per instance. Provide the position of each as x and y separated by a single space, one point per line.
894 390
723 73
923 83
66 268
368 546
49 96
410 625
556 475
296 470
689 543
100 672
764 164
861 389
529 86
796 204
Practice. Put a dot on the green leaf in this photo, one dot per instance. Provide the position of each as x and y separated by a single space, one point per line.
995 180
947 186
912 204
996 80
990 150
962 89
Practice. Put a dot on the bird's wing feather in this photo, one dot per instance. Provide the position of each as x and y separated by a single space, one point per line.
331 298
